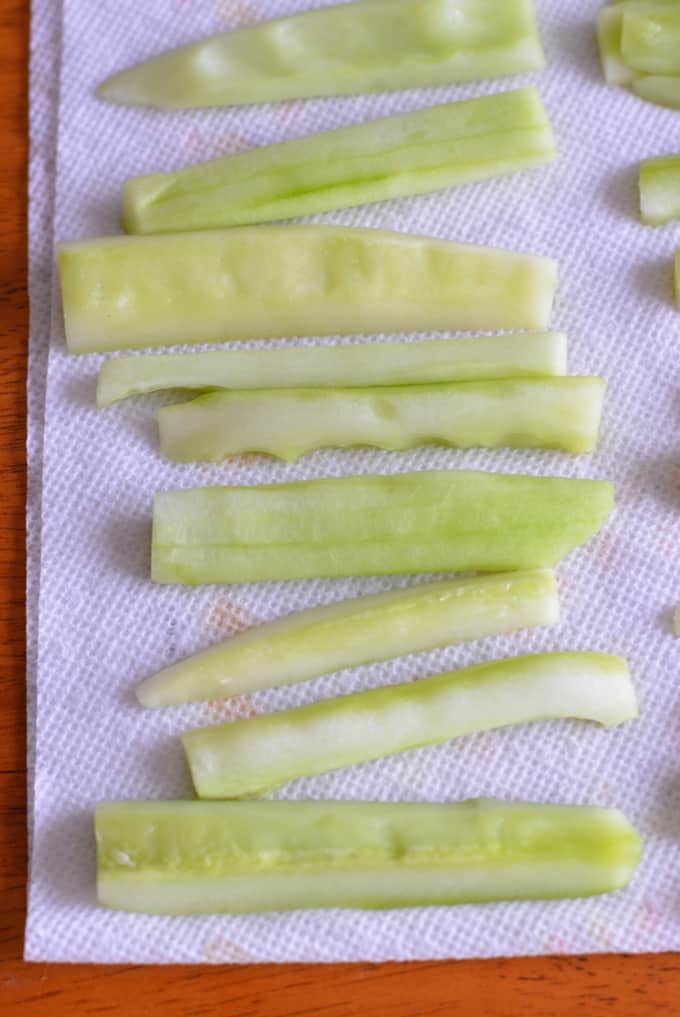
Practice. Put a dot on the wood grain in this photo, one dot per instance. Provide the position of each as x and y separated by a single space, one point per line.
551 987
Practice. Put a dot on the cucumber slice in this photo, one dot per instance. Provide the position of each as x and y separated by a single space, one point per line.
663 90
650 40
268 281
561 413
360 631
253 756
181 858
429 149
368 46
660 190
529 354
431 520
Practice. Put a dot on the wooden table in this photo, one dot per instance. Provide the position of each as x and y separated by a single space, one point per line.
625 986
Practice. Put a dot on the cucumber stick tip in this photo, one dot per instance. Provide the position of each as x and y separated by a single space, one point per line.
349 633
659 182
365 46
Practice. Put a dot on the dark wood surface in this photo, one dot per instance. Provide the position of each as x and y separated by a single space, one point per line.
600 986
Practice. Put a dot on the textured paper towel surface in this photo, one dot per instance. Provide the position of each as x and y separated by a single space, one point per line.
103 625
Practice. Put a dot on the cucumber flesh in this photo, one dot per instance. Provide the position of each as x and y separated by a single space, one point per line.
459 520
660 89
610 38
253 756
609 28
264 282
559 413
660 190
181 858
529 354
650 40
368 46
359 631
411 153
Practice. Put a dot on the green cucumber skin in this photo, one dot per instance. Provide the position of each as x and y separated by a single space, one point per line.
528 354
240 857
410 153
459 520
555 413
254 756
660 190
264 282
360 631
341 50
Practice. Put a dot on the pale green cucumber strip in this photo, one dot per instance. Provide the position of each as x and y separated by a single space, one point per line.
368 46
253 756
660 190
360 631
558 413
458 520
660 89
206 857
528 354
676 277
411 153
650 40
268 281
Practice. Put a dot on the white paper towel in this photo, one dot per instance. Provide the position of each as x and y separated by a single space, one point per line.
103 625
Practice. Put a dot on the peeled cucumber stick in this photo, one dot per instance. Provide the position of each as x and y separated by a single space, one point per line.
418 362
268 281
650 39
254 756
429 149
560 413
182 858
360 631
365 46
432 520
660 190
